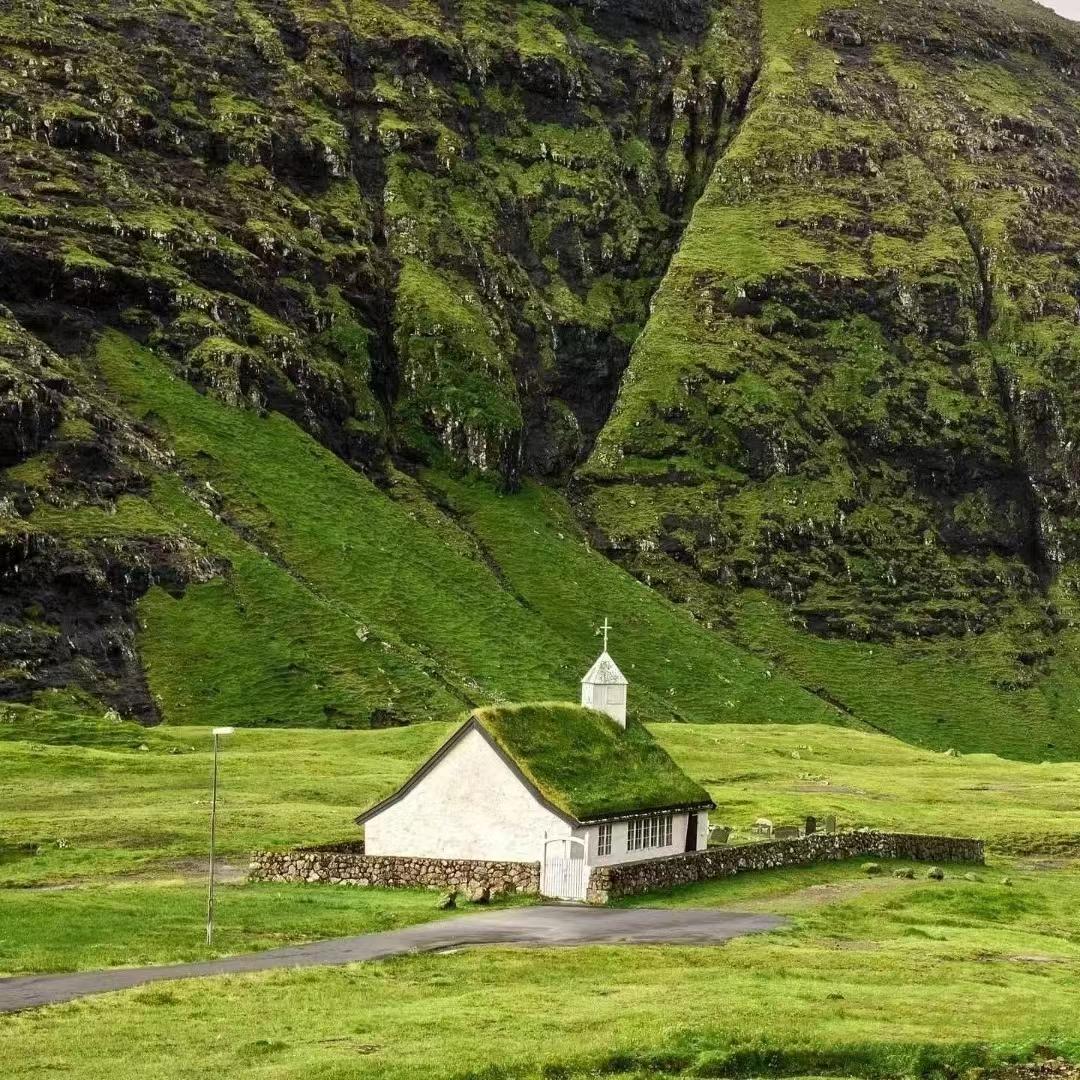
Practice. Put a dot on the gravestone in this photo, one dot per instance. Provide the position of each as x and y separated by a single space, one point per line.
763 827
786 832
830 823
811 826
719 835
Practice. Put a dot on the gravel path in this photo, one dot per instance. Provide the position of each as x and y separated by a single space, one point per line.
547 925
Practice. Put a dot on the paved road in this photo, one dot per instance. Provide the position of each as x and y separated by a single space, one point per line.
546 925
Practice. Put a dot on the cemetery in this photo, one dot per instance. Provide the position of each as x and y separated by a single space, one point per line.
479 881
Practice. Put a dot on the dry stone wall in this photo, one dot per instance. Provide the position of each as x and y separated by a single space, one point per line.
337 867
609 882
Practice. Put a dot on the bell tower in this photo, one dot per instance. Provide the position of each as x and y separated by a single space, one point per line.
604 686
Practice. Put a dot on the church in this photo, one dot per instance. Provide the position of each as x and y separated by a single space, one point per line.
568 786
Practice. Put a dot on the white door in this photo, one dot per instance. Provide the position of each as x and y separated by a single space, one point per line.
564 874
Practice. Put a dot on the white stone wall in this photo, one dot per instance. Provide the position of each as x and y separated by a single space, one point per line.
619 854
469 806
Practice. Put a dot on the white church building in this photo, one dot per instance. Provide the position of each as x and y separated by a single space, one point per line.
568 786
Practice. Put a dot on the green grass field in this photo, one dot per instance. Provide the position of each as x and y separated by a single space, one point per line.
156 921
877 979
877 976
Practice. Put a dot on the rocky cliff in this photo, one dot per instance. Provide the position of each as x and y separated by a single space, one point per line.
314 314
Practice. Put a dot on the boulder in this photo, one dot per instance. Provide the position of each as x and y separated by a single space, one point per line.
447 900
935 873
904 872
480 895
871 868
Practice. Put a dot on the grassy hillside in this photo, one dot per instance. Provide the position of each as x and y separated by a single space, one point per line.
340 339
318 598
342 604
424 235
851 394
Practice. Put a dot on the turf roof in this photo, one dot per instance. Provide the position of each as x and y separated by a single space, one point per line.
584 764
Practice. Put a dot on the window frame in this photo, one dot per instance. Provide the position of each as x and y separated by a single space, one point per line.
649 832
603 839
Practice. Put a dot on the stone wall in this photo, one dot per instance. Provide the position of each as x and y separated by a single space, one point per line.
628 879
337 867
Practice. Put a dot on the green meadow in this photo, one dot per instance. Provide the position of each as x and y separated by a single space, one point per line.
79 798
104 838
102 857
880 978
157 920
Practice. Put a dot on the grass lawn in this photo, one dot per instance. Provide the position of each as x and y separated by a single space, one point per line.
95 808
894 978
876 976
157 922
872 780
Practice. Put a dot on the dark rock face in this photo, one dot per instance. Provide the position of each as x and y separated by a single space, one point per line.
66 599
73 604
383 228
427 241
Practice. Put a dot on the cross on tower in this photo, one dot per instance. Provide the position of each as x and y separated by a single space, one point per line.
606 627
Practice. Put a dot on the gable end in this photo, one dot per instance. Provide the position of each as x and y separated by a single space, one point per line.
472 724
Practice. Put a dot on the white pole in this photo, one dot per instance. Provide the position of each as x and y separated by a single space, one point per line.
213 827
213 832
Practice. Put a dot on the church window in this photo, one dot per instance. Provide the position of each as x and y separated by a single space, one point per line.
603 840
650 832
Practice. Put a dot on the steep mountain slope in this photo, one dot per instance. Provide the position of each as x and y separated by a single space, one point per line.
407 227
420 232
854 408
275 271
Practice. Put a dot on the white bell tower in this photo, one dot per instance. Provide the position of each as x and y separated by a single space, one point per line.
604 687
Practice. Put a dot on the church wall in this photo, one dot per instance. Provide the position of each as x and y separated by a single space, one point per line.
469 806
607 698
619 854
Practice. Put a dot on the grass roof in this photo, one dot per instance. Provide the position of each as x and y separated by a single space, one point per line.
584 764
